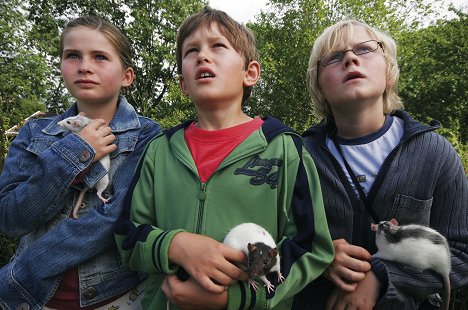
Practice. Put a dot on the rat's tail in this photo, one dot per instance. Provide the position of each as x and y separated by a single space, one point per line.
446 297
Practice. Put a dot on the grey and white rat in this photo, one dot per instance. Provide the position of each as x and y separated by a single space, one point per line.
418 246
260 249
75 124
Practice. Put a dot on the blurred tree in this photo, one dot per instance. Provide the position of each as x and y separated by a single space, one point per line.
286 33
23 72
434 73
150 25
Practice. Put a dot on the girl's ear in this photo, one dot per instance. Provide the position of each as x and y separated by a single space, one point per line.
128 77
252 73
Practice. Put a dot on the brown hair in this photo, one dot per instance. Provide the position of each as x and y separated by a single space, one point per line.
111 32
239 36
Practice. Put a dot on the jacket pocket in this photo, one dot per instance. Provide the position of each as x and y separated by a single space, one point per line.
125 144
409 210
36 147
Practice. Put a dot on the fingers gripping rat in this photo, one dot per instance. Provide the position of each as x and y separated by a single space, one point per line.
75 124
261 251
418 246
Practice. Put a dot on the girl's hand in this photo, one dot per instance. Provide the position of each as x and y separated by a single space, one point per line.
99 135
349 265
190 295
208 261
363 298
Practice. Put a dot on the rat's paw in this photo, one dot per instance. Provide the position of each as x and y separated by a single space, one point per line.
253 284
103 199
280 277
270 287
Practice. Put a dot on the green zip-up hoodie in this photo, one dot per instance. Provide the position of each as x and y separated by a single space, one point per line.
269 179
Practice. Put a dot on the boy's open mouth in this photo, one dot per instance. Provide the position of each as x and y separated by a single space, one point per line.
352 76
204 73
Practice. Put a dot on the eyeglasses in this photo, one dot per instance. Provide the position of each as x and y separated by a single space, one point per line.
358 49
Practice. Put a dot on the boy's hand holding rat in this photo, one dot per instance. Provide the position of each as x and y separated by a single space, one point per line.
99 135
364 297
350 271
208 261
190 295
349 266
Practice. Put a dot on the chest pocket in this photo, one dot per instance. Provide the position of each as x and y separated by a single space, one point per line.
407 209
125 145
37 146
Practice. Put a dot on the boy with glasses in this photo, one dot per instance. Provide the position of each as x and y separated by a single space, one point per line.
376 163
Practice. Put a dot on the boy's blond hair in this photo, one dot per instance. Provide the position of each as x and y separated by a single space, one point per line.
239 36
333 39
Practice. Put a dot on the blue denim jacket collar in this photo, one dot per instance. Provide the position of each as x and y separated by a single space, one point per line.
125 119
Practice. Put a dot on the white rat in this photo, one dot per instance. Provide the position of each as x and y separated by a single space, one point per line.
260 249
418 246
75 124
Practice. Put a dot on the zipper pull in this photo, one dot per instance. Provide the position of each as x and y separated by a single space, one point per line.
202 193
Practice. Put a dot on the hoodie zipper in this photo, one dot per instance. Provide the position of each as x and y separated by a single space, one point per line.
201 207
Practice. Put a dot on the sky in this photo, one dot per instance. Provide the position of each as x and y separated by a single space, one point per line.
245 10
241 10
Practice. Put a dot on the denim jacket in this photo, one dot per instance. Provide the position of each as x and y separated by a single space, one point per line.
37 197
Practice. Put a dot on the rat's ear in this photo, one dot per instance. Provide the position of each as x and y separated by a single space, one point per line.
251 247
394 222
82 114
252 73
273 252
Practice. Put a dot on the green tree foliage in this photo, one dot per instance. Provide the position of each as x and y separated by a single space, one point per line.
150 25
434 73
285 37
23 72
432 59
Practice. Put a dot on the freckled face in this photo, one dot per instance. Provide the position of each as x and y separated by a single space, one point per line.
212 70
91 67
355 78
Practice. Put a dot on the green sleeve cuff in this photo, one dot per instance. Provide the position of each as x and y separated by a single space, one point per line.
161 252
240 296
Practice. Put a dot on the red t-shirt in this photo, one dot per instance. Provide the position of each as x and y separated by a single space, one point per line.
210 147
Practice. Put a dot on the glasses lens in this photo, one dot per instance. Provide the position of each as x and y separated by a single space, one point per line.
331 58
365 47
358 49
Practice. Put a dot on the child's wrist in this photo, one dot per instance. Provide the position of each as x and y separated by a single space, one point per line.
177 247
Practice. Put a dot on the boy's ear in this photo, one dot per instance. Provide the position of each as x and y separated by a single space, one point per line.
252 73
182 85
128 77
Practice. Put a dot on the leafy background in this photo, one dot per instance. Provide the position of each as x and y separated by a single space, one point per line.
432 58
